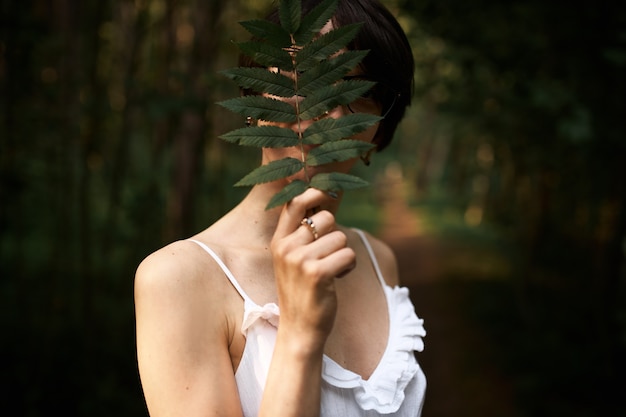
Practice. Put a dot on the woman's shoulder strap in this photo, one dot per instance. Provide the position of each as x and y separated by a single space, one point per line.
222 265
372 255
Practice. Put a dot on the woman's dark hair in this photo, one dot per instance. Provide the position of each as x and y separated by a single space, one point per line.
389 61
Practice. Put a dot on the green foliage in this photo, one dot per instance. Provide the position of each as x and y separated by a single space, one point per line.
336 151
291 190
312 87
264 108
262 80
335 181
272 171
262 136
334 129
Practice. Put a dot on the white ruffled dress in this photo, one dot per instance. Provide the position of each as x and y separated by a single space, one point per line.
395 388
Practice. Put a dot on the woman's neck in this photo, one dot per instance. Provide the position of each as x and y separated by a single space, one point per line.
251 218
259 222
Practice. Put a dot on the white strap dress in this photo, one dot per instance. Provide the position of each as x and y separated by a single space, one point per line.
395 388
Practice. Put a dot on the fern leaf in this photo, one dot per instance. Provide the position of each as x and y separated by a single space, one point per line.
337 181
263 108
262 137
294 46
285 195
314 21
328 72
261 80
337 151
327 130
267 55
266 30
272 171
326 45
290 12
331 96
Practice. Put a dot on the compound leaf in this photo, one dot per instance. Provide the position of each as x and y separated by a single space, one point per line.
272 171
285 195
337 181
266 30
312 87
326 45
262 137
328 72
314 21
337 151
329 97
267 55
331 129
261 80
290 12
263 108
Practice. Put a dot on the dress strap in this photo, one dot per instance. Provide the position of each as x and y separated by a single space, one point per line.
227 272
370 251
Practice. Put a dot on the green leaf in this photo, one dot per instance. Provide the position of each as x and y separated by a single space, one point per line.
263 108
326 45
337 181
314 21
266 30
285 195
272 171
290 12
337 151
318 62
328 72
329 97
267 55
330 129
261 80
262 137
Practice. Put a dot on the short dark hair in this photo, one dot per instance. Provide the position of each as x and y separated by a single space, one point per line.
390 60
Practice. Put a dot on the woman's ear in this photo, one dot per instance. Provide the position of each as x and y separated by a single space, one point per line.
366 156
378 137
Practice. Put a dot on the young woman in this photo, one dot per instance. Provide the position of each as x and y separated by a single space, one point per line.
285 312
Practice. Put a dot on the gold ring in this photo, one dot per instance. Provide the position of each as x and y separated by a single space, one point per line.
307 221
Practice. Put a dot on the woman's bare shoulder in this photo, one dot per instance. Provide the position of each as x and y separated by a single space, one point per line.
386 259
185 325
180 268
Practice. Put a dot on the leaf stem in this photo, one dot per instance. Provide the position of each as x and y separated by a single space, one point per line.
294 49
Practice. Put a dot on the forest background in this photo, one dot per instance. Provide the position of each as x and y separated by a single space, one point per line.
513 158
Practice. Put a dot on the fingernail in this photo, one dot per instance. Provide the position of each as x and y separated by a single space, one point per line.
333 194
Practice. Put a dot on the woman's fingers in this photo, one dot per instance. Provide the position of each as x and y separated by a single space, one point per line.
299 208
309 252
316 226
338 263
327 257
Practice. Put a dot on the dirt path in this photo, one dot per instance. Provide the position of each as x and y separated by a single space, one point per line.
462 381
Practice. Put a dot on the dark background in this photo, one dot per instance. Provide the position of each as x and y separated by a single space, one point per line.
509 171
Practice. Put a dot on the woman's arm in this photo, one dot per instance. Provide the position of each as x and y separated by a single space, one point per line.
183 328
305 270
182 339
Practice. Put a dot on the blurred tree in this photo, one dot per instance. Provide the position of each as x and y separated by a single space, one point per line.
520 118
106 115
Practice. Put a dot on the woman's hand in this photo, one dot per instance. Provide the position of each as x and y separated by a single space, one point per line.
305 268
